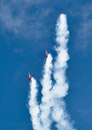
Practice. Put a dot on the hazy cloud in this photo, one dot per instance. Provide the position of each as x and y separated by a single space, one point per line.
84 32
25 18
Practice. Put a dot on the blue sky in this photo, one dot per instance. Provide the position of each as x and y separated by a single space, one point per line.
27 29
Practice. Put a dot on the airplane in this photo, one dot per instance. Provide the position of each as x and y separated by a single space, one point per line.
46 53
29 77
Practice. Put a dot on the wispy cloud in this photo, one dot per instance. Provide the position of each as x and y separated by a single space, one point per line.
25 18
83 36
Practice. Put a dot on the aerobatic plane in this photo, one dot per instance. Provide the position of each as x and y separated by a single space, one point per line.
29 77
46 53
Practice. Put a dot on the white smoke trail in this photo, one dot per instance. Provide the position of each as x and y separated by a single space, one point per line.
46 84
33 105
60 88
53 95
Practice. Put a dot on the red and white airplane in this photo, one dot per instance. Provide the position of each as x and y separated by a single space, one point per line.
29 77
46 53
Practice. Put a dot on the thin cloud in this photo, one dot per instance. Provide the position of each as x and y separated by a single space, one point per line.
15 17
84 32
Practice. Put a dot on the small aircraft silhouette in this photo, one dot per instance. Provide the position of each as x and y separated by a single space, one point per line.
46 53
29 77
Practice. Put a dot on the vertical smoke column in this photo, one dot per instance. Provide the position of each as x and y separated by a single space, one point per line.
33 105
60 88
46 84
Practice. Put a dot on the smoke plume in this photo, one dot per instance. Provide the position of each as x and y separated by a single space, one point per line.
60 88
46 103
53 107
33 105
